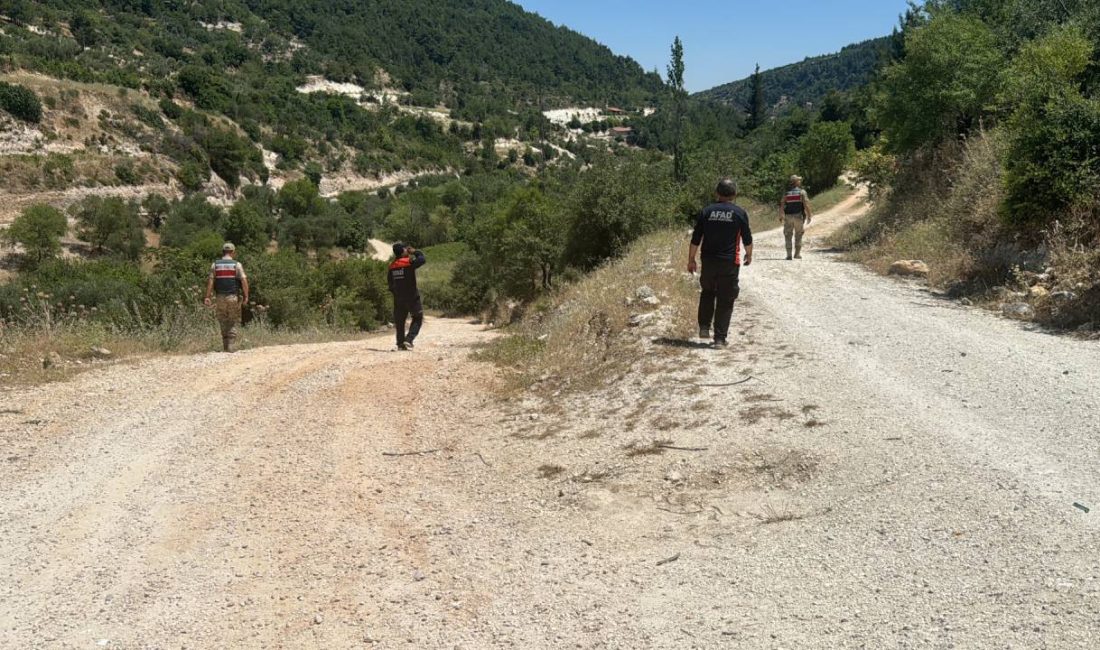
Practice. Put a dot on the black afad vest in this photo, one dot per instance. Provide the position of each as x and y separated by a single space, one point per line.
793 204
226 278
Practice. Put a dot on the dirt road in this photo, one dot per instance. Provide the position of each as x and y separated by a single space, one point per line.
867 467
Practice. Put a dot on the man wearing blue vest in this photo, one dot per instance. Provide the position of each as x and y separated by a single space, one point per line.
795 215
229 284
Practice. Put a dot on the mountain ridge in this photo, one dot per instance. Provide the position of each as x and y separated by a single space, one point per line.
852 66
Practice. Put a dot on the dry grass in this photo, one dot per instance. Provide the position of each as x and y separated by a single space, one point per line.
580 338
756 414
770 514
654 448
831 198
947 217
56 353
549 471
56 171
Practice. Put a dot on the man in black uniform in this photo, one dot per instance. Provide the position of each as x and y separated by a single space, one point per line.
406 297
721 229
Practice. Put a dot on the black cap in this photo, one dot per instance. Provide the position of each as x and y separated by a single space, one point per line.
398 249
726 187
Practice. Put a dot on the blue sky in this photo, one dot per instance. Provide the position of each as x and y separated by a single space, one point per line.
723 40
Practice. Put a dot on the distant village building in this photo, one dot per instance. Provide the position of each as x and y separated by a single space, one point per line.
615 111
623 131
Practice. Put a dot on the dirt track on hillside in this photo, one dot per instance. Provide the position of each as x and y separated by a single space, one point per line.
868 466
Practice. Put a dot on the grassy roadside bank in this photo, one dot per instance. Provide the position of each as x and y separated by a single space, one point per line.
579 338
57 353
949 217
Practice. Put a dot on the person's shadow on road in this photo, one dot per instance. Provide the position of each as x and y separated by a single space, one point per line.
683 344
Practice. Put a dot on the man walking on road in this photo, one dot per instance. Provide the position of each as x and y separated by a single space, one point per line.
721 230
795 214
230 285
406 296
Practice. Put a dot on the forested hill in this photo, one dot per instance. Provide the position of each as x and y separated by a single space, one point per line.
810 80
472 43
440 50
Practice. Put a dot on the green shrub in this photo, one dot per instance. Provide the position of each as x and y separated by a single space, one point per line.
1052 162
126 174
824 153
949 78
21 102
39 230
147 116
771 176
171 109
190 219
876 169
111 225
192 175
247 224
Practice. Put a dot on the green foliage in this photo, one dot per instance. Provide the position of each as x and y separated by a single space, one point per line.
191 219
824 153
949 79
39 230
757 107
876 169
615 203
111 225
772 175
300 198
1048 67
1052 161
313 172
676 109
84 26
126 173
21 102
248 224
156 208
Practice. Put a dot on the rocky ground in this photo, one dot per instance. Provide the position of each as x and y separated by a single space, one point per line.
868 466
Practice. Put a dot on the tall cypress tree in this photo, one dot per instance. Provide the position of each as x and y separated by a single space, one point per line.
679 109
757 109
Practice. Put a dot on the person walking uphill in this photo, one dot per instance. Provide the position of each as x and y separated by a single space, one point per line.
796 214
721 230
230 285
406 296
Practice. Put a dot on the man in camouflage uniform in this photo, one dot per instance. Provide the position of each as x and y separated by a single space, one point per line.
230 285
795 215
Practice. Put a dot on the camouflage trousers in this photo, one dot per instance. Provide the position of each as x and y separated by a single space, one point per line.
793 227
228 311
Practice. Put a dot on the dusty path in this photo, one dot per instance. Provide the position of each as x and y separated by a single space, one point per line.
230 501
380 250
867 467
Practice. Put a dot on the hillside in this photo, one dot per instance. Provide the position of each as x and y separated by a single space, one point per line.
373 88
808 81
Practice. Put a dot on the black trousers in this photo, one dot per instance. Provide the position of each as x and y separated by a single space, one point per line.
401 312
719 279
